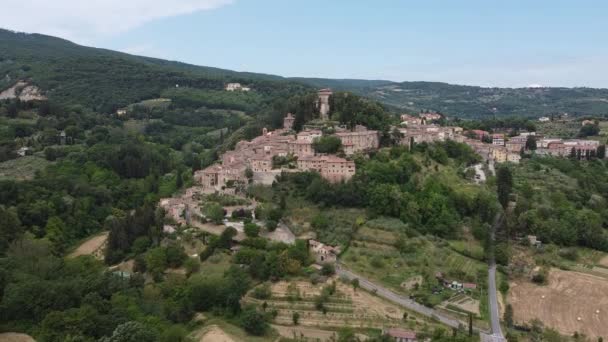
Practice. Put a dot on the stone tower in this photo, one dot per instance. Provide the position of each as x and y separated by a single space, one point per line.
323 103
288 121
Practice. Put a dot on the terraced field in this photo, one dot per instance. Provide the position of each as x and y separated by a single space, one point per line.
347 307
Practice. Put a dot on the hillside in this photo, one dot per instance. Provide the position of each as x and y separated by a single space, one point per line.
474 102
105 80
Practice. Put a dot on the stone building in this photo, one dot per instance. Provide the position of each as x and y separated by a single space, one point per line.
359 140
288 121
323 103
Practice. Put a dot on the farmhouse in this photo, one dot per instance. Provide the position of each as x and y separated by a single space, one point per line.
323 253
235 87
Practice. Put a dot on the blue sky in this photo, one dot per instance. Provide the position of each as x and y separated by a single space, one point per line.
488 43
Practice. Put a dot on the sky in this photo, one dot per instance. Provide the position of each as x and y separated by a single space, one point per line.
510 43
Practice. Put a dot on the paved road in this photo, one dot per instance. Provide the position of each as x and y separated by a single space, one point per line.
398 299
492 294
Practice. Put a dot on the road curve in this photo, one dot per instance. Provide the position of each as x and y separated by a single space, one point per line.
399 299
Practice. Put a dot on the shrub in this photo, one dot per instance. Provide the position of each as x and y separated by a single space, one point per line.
328 269
252 230
376 262
271 225
253 322
192 266
262 292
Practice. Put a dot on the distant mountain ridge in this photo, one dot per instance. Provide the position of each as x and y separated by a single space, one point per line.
105 80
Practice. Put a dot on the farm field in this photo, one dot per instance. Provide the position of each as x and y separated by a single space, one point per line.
218 330
93 246
374 255
567 297
346 307
23 168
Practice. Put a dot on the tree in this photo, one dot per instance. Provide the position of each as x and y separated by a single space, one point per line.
214 212
179 180
531 143
271 225
10 227
249 174
327 144
131 332
508 316
253 322
328 269
191 265
295 318
504 183
589 130
355 283
55 232
156 260
601 152
252 230
175 255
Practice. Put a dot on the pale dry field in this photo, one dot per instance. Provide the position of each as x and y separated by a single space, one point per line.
567 297
91 246
15 337
603 261
213 334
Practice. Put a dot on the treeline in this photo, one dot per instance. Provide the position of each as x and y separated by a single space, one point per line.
513 124
571 213
72 198
58 299
353 110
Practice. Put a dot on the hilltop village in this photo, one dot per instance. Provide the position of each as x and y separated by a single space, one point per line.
259 161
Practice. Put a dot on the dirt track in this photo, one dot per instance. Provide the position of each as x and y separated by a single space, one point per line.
91 246
213 334
568 296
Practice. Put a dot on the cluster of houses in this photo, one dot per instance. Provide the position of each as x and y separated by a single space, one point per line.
496 147
252 161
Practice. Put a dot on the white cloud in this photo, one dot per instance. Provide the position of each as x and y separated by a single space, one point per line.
84 20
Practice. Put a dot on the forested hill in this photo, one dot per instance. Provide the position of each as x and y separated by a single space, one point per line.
105 80
474 102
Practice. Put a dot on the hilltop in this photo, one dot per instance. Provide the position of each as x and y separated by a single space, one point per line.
105 80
